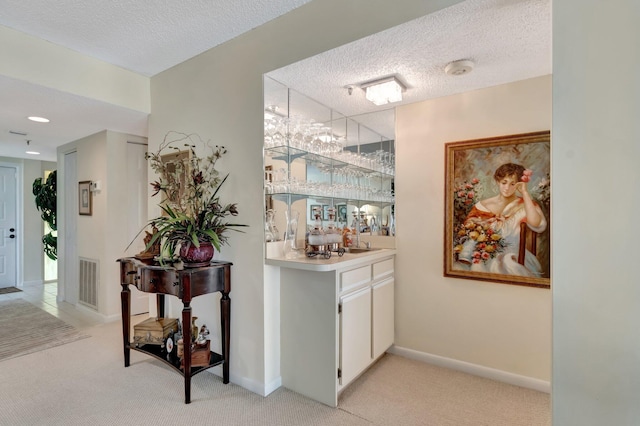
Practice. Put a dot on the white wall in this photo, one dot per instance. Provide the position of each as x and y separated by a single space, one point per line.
595 153
218 94
499 326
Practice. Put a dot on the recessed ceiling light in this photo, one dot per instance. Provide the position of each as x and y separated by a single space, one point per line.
32 152
39 119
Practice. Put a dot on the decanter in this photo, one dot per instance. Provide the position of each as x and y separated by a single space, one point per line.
333 234
290 246
317 235
270 231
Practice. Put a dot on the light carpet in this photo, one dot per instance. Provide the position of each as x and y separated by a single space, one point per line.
85 382
25 329
401 391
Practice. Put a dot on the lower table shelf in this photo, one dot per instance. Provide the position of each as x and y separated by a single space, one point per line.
160 353
185 284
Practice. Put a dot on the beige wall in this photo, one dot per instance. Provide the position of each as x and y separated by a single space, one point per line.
56 67
101 236
499 326
218 94
596 149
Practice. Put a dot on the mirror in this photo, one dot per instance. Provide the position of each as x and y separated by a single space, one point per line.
317 158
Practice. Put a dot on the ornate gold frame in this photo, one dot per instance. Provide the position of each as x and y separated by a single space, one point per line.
469 166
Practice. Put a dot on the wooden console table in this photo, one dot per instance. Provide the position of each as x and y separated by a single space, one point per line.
184 284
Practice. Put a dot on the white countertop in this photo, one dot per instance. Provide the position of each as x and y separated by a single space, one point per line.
320 264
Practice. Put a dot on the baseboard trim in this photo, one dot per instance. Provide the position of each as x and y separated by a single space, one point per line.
272 386
95 314
476 370
29 283
250 385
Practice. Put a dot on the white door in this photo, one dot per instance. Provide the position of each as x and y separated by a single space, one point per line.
69 291
8 227
137 213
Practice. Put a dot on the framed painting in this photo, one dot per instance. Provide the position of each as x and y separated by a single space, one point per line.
177 165
85 204
497 209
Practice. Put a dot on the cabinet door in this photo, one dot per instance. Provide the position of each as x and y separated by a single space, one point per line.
355 334
383 313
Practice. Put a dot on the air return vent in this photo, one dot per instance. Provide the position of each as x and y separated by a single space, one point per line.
88 278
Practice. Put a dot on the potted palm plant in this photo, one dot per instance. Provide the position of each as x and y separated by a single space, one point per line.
193 219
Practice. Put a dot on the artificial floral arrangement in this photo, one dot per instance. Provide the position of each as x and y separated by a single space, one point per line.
193 214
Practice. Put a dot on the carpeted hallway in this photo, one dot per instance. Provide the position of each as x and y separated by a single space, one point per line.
85 382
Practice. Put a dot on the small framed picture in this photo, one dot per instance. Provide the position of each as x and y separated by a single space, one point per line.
85 203
342 212
325 212
312 210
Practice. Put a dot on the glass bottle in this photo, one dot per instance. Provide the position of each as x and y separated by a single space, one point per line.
290 246
268 235
270 230
333 234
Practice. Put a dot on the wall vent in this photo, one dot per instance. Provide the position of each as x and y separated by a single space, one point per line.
88 280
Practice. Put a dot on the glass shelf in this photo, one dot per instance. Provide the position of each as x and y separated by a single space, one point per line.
289 154
289 197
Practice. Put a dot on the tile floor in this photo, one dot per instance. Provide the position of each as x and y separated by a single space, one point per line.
44 296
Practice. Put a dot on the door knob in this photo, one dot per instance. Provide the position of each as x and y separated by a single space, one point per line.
12 229
11 236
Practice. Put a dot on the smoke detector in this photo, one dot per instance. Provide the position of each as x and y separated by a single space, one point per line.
460 67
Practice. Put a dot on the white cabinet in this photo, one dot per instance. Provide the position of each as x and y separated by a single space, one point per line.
335 322
355 334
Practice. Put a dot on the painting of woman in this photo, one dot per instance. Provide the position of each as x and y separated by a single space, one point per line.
493 240
497 194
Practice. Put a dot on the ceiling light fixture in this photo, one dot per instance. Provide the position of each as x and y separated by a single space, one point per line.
384 91
461 67
32 152
38 119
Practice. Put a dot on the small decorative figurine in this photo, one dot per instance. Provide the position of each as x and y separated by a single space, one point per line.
204 332
194 329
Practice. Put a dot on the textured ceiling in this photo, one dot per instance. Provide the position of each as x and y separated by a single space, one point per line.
509 40
145 36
